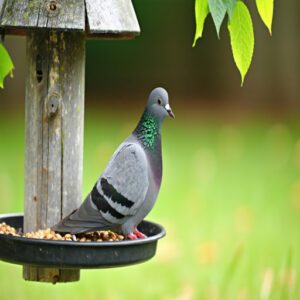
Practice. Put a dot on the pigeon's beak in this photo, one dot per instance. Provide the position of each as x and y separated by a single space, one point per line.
169 110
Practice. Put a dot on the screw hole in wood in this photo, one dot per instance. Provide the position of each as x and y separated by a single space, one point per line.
53 104
53 8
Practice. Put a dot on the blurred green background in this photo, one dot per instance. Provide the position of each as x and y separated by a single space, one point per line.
230 198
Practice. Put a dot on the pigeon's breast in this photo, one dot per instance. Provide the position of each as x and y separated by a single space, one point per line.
155 163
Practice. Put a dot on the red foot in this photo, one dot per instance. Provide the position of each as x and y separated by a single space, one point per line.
135 235
139 234
132 236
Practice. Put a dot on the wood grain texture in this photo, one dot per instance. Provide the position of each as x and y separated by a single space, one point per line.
52 14
72 121
114 17
1 5
50 275
54 111
106 18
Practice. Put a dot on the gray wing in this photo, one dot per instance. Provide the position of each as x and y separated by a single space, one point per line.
84 219
123 185
116 196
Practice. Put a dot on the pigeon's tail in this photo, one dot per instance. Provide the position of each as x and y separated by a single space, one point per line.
84 219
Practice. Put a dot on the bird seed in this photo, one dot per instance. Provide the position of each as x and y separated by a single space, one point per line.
48 234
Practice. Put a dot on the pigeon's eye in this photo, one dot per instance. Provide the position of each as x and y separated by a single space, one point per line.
159 101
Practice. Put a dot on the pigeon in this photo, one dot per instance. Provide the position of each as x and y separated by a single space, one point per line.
128 188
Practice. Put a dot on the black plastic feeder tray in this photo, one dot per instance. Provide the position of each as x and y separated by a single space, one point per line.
77 255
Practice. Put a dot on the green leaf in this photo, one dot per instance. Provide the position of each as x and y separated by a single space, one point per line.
217 9
201 12
265 9
230 4
241 38
6 64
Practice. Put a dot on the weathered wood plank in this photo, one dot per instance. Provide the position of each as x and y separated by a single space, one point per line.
20 13
54 134
50 274
51 14
54 117
36 48
67 15
72 121
1 5
36 150
106 18
112 17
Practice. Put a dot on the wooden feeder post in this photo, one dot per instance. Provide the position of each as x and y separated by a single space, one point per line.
54 102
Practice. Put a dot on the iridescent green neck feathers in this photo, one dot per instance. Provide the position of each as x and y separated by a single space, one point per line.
148 130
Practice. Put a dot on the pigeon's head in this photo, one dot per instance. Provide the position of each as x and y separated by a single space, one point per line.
158 103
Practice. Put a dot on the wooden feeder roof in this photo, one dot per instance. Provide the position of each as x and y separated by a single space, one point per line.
98 18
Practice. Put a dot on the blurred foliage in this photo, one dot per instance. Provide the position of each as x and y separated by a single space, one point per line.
265 9
230 202
240 26
241 38
6 64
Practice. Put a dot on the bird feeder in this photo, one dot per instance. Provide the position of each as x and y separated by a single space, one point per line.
56 32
